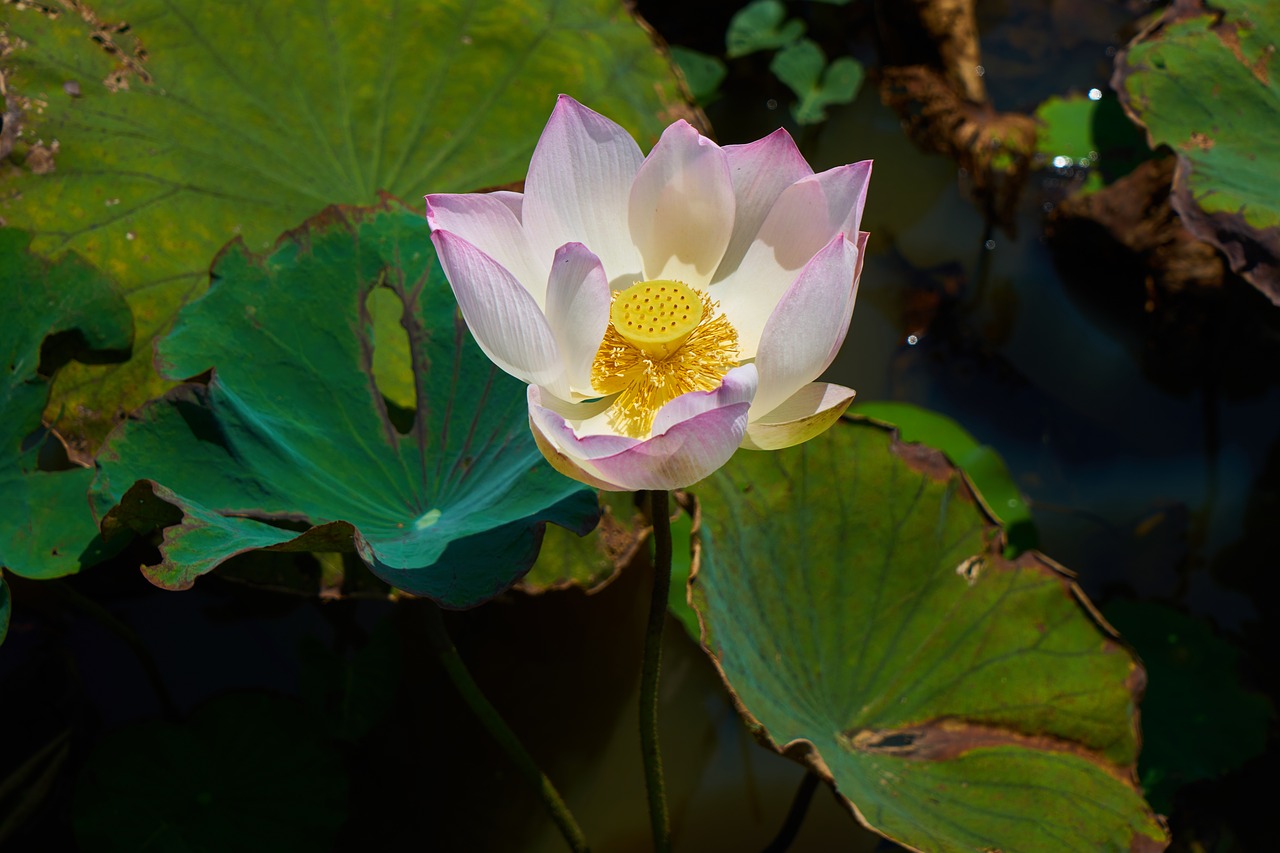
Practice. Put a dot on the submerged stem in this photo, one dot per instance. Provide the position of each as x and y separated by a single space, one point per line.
497 727
795 816
660 517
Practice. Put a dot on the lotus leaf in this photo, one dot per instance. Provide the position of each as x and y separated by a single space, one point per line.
290 445
855 598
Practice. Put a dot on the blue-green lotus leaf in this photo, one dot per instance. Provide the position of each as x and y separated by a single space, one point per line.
46 529
291 446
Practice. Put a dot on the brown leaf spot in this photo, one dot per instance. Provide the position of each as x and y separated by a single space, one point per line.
1229 34
945 739
40 159
1198 140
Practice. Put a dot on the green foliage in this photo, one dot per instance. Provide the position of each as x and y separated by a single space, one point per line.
1095 133
46 529
980 463
247 771
803 67
958 700
681 569
1197 720
181 125
703 73
590 562
291 433
1204 83
761 25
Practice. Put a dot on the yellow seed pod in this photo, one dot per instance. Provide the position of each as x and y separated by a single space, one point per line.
656 316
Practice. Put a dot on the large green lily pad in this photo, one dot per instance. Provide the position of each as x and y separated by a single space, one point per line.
153 133
1203 82
854 596
248 771
980 463
290 445
46 529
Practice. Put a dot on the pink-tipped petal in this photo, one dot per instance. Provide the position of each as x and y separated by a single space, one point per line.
502 315
682 207
805 217
760 171
798 337
578 311
847 312
687 450
807 413
578 185
491 223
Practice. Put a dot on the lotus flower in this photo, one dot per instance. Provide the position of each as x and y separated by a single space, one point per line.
664 310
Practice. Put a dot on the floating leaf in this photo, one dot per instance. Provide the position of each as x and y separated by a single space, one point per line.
46 529
853 594
760 26
1203 82
704 73
1076 132
247 771
981 463
590 562
803 67
1198 722
154 133
291 447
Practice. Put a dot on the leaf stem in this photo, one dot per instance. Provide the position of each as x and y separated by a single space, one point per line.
660 518
795 817
500 731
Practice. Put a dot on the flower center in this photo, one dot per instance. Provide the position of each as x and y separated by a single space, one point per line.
656 316
664 339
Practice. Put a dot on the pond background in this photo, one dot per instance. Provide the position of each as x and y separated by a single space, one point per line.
1147 443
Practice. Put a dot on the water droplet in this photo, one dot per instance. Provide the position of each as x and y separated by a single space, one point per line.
1047 206
129 235
771 104
1111 50
979 70
1061 162
912 340
989 245
1095 94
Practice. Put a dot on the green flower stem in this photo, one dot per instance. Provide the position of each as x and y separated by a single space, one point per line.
493 722
795 816
660 518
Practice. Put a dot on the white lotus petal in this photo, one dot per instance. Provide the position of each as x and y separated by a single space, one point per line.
578 186
799 336
488 222
578 311
807 413
502 315
681 207
760 170
805 217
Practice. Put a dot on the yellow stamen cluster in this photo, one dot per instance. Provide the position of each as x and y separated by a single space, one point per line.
656 350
